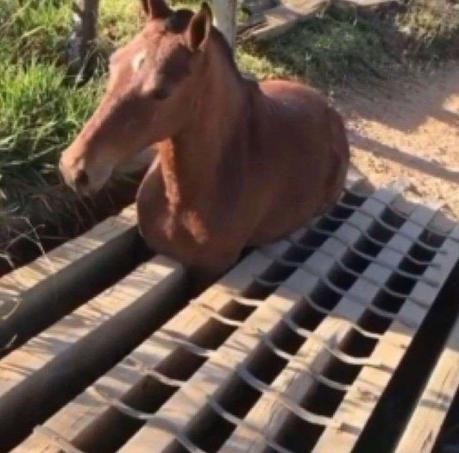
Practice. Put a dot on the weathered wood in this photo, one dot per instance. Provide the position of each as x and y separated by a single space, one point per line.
289 13
225 18
49 286
432 408
51 368
185 404
84 32
85 410
358 404
282 18
271 417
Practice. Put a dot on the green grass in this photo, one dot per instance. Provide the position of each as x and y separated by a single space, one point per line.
327 51
41 110
431 28
38 113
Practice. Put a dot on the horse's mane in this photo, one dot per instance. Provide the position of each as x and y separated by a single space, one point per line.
225 49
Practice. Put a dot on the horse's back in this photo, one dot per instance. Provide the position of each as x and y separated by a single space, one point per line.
300 112
294 95
305 141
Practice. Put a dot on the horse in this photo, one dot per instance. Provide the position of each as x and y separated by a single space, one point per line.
239 164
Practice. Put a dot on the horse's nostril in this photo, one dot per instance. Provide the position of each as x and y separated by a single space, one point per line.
81 179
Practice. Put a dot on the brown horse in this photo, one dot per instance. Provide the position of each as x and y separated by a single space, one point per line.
239 163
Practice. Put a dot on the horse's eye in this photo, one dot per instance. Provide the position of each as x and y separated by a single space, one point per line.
160 93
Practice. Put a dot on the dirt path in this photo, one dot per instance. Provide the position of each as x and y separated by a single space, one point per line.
409 129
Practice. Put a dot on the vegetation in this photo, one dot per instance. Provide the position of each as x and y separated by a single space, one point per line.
431 28
41 109
326 51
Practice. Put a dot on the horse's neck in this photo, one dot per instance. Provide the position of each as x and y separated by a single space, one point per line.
189 160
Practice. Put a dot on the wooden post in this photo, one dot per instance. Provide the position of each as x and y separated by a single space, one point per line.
225 18
81 43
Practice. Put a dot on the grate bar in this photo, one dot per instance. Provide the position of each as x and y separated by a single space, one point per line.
339 355
389 227
353 249
320 378
37 374
424 426
56 440
165 424
325 280
320 309
371 239
368 386
287 319
346 268
194 363
364 332
271 417
81 415
203 352
184 405
242 371
210 374
51 282
355 193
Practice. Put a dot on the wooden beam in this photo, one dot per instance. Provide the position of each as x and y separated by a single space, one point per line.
85 411
184 406
359 402
51 368
269 416
282 18
424 426
289 13
37 294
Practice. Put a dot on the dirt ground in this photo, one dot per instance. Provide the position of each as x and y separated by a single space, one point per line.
409 129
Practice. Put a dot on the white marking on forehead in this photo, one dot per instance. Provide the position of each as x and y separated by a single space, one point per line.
138 59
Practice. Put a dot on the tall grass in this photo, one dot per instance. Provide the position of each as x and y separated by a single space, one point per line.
39 113
40 109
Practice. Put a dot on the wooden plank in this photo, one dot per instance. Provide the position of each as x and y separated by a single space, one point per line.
225 18
51 368
282 18
49 285
289 13
359 402
182 407
271 417
432 408
185 405
85 410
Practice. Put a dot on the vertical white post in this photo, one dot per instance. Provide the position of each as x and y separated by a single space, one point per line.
84 32
225 18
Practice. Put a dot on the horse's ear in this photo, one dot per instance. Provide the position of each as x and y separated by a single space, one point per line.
156 9
199 28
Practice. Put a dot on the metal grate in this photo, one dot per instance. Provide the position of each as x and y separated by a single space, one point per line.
291 351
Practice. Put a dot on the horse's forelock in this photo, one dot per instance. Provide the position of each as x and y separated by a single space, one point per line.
178 21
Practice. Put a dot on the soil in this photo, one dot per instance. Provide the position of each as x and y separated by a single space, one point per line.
408 128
